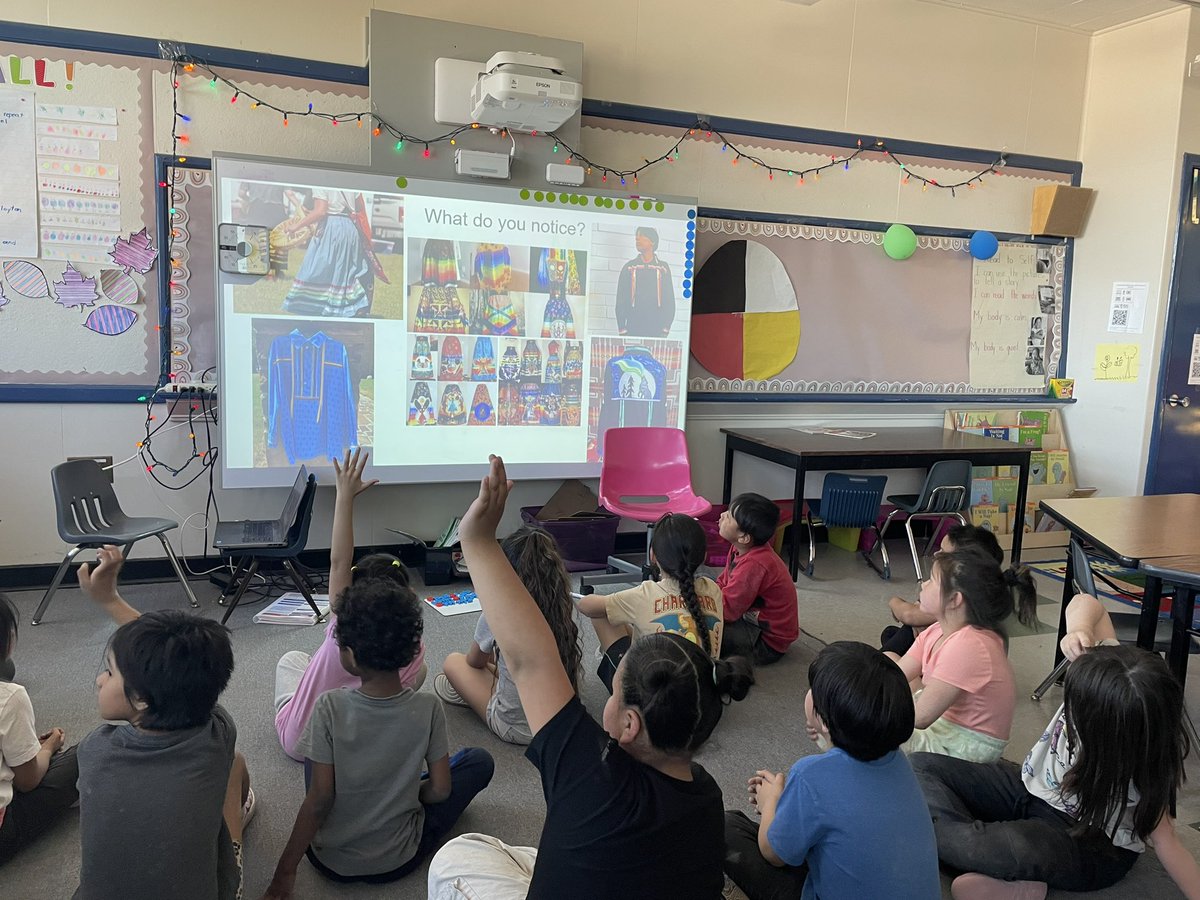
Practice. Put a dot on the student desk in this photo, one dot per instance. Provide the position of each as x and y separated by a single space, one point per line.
888 448
1156 533
1184 573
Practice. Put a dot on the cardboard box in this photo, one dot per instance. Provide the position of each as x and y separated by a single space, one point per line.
1060 210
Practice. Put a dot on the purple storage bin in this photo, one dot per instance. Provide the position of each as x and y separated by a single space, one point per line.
585 542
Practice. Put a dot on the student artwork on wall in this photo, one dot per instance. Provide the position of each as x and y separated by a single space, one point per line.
873 325
75 217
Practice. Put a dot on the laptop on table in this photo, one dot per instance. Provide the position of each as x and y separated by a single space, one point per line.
250 534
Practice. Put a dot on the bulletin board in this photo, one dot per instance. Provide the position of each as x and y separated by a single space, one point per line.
90 309
871 325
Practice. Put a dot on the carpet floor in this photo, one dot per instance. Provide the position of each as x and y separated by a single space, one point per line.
58 661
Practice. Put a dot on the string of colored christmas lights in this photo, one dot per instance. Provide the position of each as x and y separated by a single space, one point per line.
190 64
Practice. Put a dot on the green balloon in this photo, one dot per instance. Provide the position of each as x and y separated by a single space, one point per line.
899 242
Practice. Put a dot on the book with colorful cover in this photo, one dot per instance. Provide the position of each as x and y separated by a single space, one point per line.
1003 433
1004 492
981 491
1029 520
983 471
1035 418
1008 471
292 609
975 419
1031 436
1037 467
989 517
1058 466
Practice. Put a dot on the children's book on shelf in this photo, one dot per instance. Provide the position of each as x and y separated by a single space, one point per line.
292 609
989 517
1031 436
1058 467
1037 467
981 491
1030 518
1004 492
983 472
1034 418
965 420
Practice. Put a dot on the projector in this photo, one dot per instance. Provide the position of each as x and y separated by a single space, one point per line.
524 92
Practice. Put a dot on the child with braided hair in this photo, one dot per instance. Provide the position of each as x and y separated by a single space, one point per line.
680 602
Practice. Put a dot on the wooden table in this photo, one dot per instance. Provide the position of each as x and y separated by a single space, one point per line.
1184 573
889 448
1136 532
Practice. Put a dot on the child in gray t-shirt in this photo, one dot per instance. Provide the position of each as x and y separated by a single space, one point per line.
370 815
163 782
479 678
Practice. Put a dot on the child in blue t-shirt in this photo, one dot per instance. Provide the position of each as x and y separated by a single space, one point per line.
830 826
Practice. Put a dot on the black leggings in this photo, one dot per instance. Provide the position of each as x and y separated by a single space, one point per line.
30 813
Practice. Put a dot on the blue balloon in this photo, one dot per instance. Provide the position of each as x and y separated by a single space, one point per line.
984 245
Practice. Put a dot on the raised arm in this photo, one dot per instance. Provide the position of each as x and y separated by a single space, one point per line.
100 584
518 625
349 480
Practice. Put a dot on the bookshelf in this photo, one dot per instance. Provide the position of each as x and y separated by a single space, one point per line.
1052 473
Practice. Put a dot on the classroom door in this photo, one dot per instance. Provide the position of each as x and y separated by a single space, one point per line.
1174 463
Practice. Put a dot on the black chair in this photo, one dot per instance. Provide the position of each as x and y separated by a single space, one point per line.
248 559
944 496
89 516
1125 625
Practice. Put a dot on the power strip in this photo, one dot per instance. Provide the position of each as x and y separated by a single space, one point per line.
189 387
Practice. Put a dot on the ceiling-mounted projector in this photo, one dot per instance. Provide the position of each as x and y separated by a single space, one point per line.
525 92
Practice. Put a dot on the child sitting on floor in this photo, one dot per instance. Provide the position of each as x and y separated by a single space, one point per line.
165 783
851 821
480 679
896 639
369 815
761 619
682 603
1095 789
37 776
628 812
965 707
301 679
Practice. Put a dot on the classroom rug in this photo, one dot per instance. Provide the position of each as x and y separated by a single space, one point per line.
1126 585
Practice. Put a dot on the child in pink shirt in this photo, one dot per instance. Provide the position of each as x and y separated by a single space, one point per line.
965 708
761 619
301 679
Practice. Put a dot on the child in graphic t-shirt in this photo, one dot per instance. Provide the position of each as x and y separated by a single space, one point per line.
761 619
681 603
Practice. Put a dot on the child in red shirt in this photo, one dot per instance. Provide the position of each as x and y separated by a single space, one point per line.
761 620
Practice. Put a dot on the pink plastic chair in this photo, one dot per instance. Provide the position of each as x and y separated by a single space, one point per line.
644 476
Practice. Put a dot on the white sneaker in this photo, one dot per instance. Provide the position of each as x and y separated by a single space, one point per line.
444 689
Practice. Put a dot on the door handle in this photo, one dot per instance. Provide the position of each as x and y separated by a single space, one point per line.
1176 400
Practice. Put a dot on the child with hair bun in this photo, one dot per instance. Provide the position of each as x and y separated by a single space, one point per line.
965 707
682 602
299 678
628 811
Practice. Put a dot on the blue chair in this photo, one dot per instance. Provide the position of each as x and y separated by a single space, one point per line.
944 496
249 559
89 516
847 501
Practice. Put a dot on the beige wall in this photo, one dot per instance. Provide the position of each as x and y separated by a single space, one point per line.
896 68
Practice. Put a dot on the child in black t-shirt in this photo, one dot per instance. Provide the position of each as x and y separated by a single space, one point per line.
628 812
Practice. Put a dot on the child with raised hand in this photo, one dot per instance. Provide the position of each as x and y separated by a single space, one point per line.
1092 793
682 602
760 611
629 814
965 708
37 776
166 777
831 826
480 679
299 678
369 814
896 639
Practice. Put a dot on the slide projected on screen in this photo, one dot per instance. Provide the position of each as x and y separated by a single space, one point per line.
434 322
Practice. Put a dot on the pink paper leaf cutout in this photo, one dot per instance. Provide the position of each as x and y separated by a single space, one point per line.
137 252
111 320
75 290
118 286
26 279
